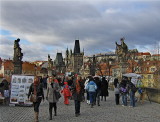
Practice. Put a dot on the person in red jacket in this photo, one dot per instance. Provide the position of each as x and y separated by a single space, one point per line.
66 92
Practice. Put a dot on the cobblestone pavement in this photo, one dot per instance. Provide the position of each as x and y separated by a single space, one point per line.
107 112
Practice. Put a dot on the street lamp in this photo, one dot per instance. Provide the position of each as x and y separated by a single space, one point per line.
35 68
109 67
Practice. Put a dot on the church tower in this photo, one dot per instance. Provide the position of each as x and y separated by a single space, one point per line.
67 58
77 57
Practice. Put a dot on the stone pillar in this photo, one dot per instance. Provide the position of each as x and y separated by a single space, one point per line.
17 67
123 68
49 72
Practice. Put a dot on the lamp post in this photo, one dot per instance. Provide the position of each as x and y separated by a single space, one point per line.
35 68
109 67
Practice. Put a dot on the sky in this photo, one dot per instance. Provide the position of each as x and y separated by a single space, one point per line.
50 26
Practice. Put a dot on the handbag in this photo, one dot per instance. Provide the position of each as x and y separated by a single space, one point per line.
6 93
33 98
57 95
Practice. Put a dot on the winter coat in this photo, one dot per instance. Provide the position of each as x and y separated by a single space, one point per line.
123 87
116 89
75 95
39 91
91 87
5 84
104 88
131 87
86 83
50 92
66 91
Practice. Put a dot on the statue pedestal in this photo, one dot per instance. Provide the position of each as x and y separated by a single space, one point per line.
123 68
17 67
49 72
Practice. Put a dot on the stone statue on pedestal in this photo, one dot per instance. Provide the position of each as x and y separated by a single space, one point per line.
17 58
50 65
121 51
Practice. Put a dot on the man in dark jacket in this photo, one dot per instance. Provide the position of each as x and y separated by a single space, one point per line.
98 91
132 89
6 90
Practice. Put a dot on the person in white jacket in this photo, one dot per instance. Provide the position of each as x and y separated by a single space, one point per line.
85 87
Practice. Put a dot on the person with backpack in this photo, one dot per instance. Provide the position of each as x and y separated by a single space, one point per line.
132 90
123 91
139 86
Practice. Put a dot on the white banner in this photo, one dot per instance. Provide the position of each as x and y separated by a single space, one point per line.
20 85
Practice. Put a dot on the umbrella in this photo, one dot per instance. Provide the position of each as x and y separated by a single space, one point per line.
131 75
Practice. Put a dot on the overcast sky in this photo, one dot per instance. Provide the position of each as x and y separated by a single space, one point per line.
47 27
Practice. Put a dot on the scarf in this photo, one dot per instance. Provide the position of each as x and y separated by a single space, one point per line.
78 88
36 83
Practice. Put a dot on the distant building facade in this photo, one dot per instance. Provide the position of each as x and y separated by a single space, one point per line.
59 63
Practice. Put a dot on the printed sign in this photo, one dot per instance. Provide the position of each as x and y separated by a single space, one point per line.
19 89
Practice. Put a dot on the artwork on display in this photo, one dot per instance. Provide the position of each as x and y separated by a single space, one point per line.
19 89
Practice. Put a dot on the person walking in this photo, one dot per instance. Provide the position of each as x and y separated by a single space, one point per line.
116 91
66 93
77 93
98 91
139 85
123 91
6 85
132 89
104 89
52 87
87 93
36 89
91 88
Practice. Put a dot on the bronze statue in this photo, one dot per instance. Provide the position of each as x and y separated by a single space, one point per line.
121 51
17 51
17 58
50 62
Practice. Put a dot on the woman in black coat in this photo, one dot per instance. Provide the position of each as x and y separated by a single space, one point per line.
77 89
104 89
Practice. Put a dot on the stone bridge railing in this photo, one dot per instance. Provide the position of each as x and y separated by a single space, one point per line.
154 94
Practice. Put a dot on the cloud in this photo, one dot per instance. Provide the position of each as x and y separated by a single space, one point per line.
49 26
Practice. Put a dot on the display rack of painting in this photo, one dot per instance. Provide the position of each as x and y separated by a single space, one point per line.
20 85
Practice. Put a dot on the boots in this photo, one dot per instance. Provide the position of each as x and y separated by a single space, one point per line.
36 116
91 105
55 112
101 98
104 98
50 114
98 103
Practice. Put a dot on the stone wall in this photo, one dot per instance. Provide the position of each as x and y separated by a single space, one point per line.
154 94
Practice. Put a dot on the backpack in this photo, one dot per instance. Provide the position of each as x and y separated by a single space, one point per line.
123 90
133 88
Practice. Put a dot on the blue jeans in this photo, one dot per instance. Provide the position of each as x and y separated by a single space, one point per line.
92 97
77 106
124 99
132 98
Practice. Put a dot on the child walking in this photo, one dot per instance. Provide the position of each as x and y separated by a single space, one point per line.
66 93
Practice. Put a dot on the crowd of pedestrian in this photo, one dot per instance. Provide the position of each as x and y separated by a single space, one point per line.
93 89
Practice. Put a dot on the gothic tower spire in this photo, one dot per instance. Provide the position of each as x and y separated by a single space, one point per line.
76 47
